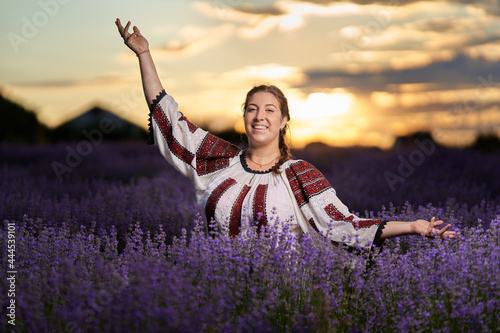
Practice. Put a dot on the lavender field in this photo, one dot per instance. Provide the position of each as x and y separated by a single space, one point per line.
113 241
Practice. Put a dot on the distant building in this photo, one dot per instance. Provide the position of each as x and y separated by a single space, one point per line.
411 140
96 122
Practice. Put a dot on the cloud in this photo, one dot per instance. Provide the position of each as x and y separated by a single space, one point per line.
273 73
101 80
234 14
399 2
192 41
248 76
257 22
415 38
395 33
359 2
195 40
489 7
253 23
437 24
488 51
249 8
457 72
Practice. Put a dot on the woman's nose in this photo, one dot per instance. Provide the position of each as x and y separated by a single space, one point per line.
259 115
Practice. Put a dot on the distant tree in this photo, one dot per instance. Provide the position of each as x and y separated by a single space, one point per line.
412 139
19 125
487 143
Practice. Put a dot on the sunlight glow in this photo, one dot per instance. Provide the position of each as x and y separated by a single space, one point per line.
325 105
458 138
291 22
350 32
318 9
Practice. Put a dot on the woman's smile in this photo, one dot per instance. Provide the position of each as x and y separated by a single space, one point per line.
259 127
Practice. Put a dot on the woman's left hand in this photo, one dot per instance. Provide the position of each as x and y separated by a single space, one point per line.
135 40
426 228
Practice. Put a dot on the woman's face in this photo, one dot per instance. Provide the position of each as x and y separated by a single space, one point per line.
263 120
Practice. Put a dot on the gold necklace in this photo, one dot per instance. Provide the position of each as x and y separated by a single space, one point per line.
259 164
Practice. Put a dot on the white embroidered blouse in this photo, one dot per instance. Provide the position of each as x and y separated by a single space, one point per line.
229 192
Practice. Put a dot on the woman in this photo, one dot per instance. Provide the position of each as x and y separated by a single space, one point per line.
261 183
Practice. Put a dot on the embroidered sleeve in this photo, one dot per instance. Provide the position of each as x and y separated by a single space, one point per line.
325 212
191 150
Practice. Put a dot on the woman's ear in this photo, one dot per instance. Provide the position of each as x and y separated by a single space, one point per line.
284 120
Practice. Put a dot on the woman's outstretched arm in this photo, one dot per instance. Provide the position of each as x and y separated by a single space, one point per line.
137 43
418 227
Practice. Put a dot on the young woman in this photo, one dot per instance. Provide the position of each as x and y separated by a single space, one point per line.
262 182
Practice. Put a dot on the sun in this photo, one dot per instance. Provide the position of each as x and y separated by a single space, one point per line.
325 105
291 22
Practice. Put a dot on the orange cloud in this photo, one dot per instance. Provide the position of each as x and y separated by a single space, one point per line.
196 40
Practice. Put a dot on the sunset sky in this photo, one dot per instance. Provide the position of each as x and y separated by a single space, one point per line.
355 72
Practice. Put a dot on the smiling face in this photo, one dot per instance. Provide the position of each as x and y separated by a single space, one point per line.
263 120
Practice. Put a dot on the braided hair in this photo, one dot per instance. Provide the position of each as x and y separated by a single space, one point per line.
285 153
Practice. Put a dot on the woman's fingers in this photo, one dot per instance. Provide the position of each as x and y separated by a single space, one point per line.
443 232
430 228
125 30
436 223
120 27
451 234
432 231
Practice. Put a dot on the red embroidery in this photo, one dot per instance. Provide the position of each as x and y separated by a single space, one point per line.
313 225
166 129
235 220
259 206
214 154
336 215
214 198
192 127
306 181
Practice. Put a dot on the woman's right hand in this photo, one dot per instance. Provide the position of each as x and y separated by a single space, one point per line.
135 40
427 229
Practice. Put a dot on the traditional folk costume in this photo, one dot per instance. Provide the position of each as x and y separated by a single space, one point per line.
229 192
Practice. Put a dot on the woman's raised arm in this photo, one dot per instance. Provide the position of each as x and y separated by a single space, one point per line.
137 43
